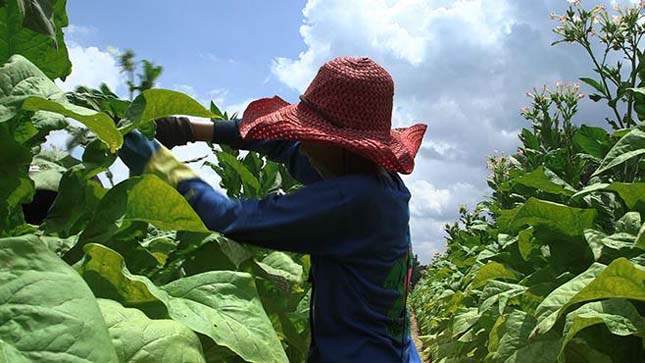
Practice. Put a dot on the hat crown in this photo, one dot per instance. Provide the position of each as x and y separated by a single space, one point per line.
353 93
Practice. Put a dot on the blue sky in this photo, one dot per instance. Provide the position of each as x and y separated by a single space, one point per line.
461 66
208 45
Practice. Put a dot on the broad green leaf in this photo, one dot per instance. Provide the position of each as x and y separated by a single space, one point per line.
629 146
154 104
515 346
633 194
9 354
282 265
106 273
525 243
138 339
45 174
203 252
15 185
18 37
249 181
629 223
139 199
590 189
640 238
464 319
38 15
47 313
150 199
554 217
222 305
594 239
74 205
593 140
545 180
621 279
499 292
99 123
19 80
619 315
24 86
549 310
580 351
491 271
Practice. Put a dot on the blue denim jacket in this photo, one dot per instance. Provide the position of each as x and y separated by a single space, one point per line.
356 230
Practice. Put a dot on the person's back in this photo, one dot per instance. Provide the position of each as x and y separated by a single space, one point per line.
358 301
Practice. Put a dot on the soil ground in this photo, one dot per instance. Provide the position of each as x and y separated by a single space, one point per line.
415 336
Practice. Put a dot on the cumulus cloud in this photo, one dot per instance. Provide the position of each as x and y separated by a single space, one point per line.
92 66
461 66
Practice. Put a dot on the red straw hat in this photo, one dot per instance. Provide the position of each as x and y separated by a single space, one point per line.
349 104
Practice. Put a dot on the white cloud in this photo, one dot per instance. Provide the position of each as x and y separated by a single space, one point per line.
461 66
92 66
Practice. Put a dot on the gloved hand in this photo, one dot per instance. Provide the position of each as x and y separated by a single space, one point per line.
174 131
141 155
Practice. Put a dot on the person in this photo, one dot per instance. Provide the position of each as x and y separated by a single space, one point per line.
351 215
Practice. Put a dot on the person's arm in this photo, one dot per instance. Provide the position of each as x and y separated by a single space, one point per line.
174 131
285 152
311 220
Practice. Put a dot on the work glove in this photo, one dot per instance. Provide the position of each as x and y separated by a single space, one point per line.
174 131
142 156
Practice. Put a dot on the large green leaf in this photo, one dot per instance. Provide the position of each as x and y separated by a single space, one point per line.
491 271
499 292
154 104
19 80
282 265
201 252
38 15
99 123
222 305
20 33
633 194
15 185
621 279
549 310
24 86
249 181
74 205
629 146
545 180
594 141
145 198
619 315
554 217
47 312
138 339
514 346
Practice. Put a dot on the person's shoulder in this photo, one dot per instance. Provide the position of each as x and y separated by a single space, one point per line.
384 185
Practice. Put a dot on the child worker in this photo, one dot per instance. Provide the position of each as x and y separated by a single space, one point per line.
351 215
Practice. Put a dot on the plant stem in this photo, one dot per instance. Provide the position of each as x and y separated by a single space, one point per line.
587 47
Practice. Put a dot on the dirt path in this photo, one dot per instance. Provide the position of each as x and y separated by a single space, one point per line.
415 335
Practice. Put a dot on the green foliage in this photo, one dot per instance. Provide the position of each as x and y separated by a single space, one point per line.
551 267
53 304
34 29
149 282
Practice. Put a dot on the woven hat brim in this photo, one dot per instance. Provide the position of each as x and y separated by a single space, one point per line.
276 119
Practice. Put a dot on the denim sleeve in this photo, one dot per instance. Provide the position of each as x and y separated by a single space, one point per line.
285 152
311 220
